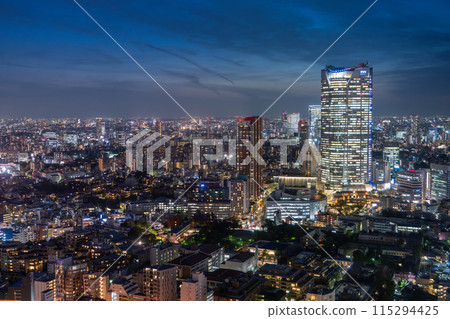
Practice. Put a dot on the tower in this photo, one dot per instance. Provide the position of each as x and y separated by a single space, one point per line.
346 126
314 123
250 129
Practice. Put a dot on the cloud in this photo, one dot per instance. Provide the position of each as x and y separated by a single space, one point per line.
203 68
258 47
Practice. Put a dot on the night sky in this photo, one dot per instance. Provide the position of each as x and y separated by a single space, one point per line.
217 58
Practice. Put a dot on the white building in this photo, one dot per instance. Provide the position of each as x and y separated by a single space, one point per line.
194 289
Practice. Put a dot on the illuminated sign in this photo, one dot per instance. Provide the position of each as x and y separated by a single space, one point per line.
338 70
363 72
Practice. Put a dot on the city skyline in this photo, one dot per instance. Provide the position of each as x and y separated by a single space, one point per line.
226 151
69 68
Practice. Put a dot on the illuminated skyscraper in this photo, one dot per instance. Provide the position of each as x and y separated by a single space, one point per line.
238 192
100 128
292 124
346 126
250 129
440 181
391 155
314 123
283 118
303 131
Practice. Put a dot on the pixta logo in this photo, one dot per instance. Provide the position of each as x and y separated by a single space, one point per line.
146 143
141 147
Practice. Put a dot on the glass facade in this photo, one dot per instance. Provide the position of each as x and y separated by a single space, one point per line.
346 126
440 181
314 123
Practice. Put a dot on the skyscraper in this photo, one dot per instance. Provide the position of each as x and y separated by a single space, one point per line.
346 126
283 118
292 124
238 193
314 123
100 128
440 181
391 155
303 131
250 130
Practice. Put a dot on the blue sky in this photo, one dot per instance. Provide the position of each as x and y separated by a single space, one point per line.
217 58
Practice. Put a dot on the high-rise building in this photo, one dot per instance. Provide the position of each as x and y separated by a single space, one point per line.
303 131
283 119
314 123
100 128
292 124
391 155
412 185
440 181
69 283
250 130
103 163
414 129
239 196
160 283
381 175
346 126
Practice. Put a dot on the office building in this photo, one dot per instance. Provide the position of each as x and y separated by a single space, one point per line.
100 128
218 209
292 124
440 181
164 253
381 175
412 185
346 126
209 191
303 131
295 203
314 123
391 155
